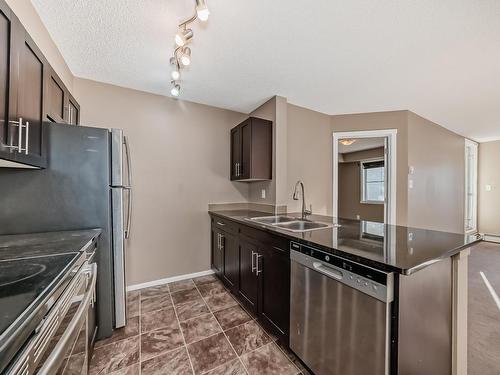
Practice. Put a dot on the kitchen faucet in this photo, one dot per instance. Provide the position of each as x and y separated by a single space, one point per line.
296 198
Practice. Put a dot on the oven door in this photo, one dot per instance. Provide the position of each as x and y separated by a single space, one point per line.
70 353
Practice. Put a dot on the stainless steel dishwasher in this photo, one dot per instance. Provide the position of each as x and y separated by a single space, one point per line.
340 314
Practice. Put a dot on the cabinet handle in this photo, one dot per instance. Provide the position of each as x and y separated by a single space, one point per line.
19 147
222 241
254 268
237 169
259 264
218 241
26 144
221 224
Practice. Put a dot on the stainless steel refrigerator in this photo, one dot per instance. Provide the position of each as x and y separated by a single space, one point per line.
87 184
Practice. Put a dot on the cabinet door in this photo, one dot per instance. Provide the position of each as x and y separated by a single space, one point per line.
30 99
274 290
248 281
235 153
217 252
73 112
6 34
246 149
56 108
230 260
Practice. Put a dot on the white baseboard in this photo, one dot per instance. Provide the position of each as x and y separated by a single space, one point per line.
491 238
168 280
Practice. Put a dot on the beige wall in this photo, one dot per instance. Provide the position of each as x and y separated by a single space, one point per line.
350 205
180 162
363 155
489 201
309 158
437 155
25 11
377 121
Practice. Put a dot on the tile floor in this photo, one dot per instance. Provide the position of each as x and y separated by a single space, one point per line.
191 327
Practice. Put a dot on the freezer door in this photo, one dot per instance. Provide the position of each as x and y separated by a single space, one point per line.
117 196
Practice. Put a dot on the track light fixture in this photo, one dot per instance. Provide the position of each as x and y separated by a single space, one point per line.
182 54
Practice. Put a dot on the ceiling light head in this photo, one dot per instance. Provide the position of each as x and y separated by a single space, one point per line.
186 56
183 37
202 10
176 90
347 142
175 74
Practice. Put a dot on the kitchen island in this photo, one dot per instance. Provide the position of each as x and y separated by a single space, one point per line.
424 295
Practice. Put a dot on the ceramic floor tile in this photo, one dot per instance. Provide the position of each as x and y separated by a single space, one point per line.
158 319
231 368
247 337
154 291
191 309
175 362
211 289
131 370
185 296
268 360
133 304
232 317
115 356
205 280
131 329
160 341
220 301
210 353
293 358
155 303
199 328
181 285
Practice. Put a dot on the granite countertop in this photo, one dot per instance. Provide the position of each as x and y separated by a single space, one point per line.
44 244
390 248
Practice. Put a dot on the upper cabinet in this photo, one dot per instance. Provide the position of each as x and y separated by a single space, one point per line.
30 93
252 150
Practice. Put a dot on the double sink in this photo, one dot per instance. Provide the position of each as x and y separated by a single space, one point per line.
291 224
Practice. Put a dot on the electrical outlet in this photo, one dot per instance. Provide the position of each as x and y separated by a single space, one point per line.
411 170
410 184
488 188
358 217
263 193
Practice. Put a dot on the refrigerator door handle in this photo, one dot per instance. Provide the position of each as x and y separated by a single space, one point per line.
128 187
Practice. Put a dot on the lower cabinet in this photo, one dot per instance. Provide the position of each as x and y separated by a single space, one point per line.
257 271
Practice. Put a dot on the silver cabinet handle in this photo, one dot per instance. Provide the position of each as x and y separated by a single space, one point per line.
254 268
221 224
19 147
259 265
218 241
222 241
26 144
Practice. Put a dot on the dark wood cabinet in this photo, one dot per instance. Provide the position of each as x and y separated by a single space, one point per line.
30 93
251 150
255 266
274 290
248 279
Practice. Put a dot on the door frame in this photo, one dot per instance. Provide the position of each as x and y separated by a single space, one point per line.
391 159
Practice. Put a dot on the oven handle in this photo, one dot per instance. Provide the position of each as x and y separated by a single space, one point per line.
56 358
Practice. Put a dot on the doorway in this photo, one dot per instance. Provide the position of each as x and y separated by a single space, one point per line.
364 175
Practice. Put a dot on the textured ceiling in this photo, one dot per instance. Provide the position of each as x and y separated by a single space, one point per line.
440 59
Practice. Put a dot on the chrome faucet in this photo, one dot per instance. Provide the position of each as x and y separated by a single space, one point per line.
296 198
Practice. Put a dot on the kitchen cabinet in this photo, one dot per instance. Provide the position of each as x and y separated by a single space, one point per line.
251 150
30 93
255 266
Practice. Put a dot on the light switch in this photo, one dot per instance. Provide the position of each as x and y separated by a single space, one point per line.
410 184
411 170
263 194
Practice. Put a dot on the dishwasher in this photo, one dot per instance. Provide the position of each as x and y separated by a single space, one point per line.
340 313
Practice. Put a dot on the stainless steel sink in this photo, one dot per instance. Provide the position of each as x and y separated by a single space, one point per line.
273 219
302 226
291 224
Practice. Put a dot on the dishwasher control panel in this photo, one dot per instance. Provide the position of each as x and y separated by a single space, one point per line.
368 280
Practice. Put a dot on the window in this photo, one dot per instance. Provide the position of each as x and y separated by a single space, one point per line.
373 182
470 186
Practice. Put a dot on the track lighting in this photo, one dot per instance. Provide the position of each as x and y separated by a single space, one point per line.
176 90
182 53
202 10
183 37
186 56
